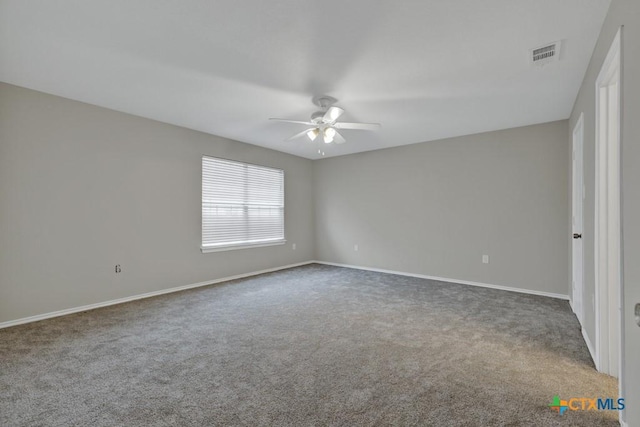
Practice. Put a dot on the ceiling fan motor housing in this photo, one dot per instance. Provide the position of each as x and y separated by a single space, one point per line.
317 116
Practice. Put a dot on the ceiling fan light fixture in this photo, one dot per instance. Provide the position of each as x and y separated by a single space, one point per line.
329 134
313 134
325 123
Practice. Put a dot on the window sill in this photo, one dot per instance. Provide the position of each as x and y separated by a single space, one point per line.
206 250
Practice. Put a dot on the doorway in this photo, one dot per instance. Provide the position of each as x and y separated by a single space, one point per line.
577 203
607 237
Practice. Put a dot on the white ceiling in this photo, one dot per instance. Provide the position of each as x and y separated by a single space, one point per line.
425 70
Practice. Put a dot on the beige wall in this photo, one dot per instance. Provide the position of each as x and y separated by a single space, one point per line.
435 208
83 188
627 13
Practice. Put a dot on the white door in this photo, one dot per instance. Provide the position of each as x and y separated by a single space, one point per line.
577 218
607 215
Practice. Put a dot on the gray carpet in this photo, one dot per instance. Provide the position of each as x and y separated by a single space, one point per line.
314 345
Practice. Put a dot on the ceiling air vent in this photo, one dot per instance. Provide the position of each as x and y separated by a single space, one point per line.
545 54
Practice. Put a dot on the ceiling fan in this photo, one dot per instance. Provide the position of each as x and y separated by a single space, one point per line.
324 122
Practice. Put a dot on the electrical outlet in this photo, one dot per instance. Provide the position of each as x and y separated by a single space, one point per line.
485 259
355 247
293 246
118 269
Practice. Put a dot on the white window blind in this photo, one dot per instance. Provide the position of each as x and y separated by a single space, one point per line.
242 204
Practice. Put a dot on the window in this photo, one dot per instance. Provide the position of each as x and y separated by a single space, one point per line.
242 205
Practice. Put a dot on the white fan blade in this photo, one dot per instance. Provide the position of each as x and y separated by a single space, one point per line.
298 135
294 121
339 139
332 114
358 126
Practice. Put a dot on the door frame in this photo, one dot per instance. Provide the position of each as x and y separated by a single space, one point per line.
577 171
608 238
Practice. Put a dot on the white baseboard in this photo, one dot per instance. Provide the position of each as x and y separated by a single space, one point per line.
445 279
141 296
589 346
254 273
